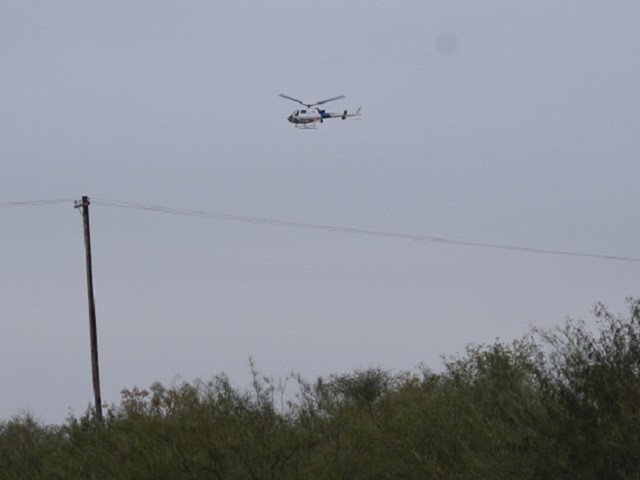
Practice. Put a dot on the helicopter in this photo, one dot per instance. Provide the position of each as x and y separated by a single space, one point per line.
310 117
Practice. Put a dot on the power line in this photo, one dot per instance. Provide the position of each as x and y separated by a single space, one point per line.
32 203
353 231
326 228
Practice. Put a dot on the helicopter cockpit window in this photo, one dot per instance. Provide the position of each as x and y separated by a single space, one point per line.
303 111
295 113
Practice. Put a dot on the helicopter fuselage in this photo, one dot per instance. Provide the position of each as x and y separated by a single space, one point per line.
310 115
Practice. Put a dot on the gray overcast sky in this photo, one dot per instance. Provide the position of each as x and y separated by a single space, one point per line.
489 121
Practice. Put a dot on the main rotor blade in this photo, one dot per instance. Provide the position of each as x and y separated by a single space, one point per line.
295 100
329 100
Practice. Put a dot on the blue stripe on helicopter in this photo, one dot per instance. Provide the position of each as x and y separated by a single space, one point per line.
324 114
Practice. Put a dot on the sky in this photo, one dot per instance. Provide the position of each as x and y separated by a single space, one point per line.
494 121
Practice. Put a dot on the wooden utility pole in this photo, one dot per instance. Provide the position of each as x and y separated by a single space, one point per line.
84 206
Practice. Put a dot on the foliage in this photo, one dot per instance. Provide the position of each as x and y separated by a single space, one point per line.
562 403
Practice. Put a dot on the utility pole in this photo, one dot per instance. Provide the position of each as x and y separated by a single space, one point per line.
84 206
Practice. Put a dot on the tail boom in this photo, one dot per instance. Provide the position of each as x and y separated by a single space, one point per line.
344 114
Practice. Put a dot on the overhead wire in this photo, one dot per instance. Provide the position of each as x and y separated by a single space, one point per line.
352 231
31 203
320 227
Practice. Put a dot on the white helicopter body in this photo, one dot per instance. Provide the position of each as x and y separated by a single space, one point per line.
309 117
